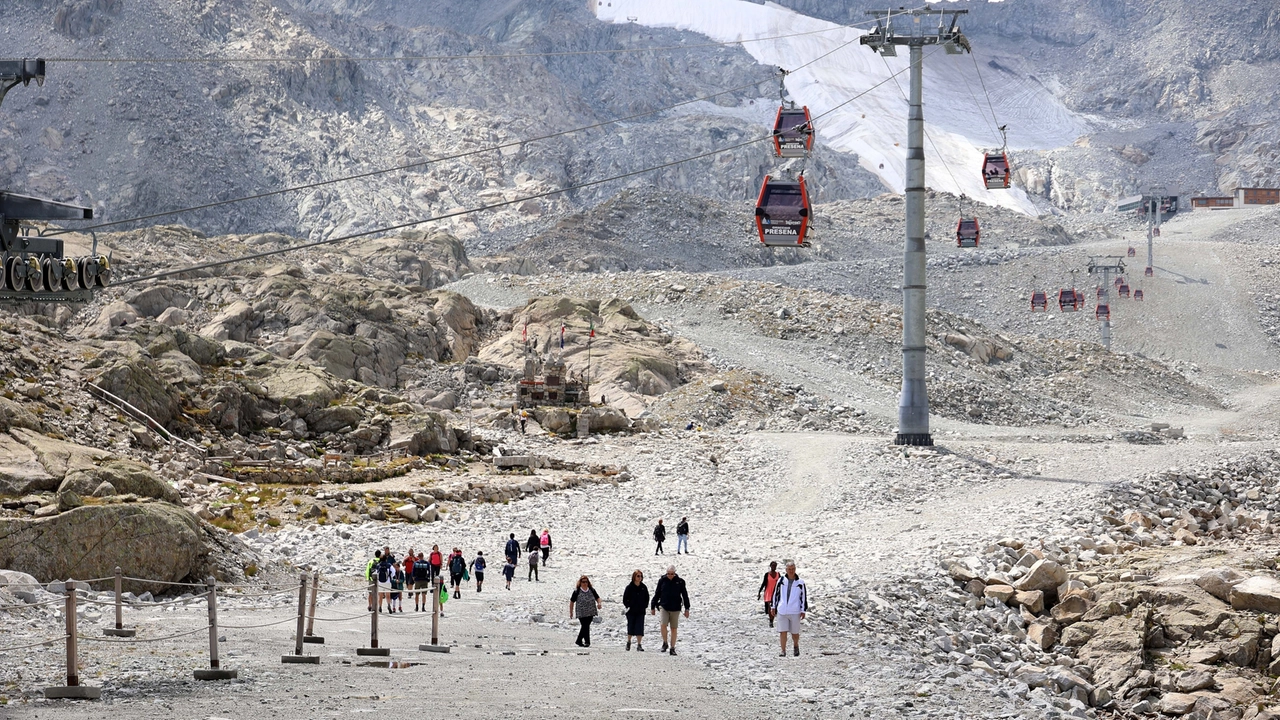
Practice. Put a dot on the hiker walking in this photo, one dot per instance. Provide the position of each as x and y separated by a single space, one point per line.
383 571
790 604
584 604
544 544
436 560
635 598
477 566
457 569
534 543
421 584
767 585
512 550
670 596
370 571
659 535
682 535
533 565
509 570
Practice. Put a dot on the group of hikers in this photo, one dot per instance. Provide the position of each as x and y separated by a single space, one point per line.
785 596
418 571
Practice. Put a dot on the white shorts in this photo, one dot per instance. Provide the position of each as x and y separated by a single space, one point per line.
787 623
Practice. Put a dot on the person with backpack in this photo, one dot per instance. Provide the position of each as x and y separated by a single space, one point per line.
544 543
682 536
397 589
436 560
659 535
383 571
512 550
457 568
509 571
767 586
584 604
477 566
409 560
790 605
533 564
369 572
635 598
421 584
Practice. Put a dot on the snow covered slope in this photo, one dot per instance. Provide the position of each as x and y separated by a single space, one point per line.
957 118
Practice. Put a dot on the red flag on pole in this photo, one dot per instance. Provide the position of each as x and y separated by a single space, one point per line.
524 335
562 335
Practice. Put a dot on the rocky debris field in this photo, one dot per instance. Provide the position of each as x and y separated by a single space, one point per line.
976 374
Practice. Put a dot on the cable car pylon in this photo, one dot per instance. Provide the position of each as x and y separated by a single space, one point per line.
918 31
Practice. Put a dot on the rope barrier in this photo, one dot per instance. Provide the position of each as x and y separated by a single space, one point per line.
360 616
180 601
141 640
254 627
163 582
24 647
232 596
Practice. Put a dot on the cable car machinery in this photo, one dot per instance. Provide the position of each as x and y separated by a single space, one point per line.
34 268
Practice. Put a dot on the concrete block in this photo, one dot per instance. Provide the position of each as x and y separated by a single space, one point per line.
220 674
316 639
121 632
300 659
378 652
73 692
434 648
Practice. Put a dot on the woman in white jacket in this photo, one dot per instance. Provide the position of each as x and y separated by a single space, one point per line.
790 604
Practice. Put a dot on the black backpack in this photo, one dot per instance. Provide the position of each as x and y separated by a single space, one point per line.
421 570
457 565
384 571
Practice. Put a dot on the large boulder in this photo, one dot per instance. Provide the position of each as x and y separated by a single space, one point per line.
153 301
301 389
156 541
126 476
20 470
334 418
1044 575
423 434
1218 582
608 419
59 457
127 371
1260 593
236 322
12 414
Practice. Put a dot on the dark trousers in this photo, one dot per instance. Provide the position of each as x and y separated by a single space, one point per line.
533 571
659 549
584 635
546 553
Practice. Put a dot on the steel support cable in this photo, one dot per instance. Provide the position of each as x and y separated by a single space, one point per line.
991 106
344 618
927 136
137 641
480 208
432 161
431 58
38 644
991 122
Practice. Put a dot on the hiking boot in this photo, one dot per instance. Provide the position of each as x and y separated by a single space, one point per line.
628 643
794 651
672 651
664 647
639 647
782 654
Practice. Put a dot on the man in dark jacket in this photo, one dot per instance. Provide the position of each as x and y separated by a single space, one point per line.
682 536
671 596
513 549
659 535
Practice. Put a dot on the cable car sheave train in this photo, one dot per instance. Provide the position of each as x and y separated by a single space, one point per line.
782 212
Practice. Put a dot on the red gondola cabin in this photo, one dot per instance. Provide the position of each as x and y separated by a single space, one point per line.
782 213
1039 302
967 233
792 132
995 171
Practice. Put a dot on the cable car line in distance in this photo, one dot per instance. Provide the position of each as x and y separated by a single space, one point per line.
443 158
481 208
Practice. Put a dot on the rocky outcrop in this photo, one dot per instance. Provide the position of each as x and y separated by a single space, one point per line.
59 457
422 434
20 470
301 389
126 477
147 540
129 372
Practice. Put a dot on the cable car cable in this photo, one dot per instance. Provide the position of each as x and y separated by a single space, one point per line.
444 158
481 208
433 58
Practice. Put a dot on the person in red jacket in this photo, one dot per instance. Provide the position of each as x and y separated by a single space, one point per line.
436 560
766 590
